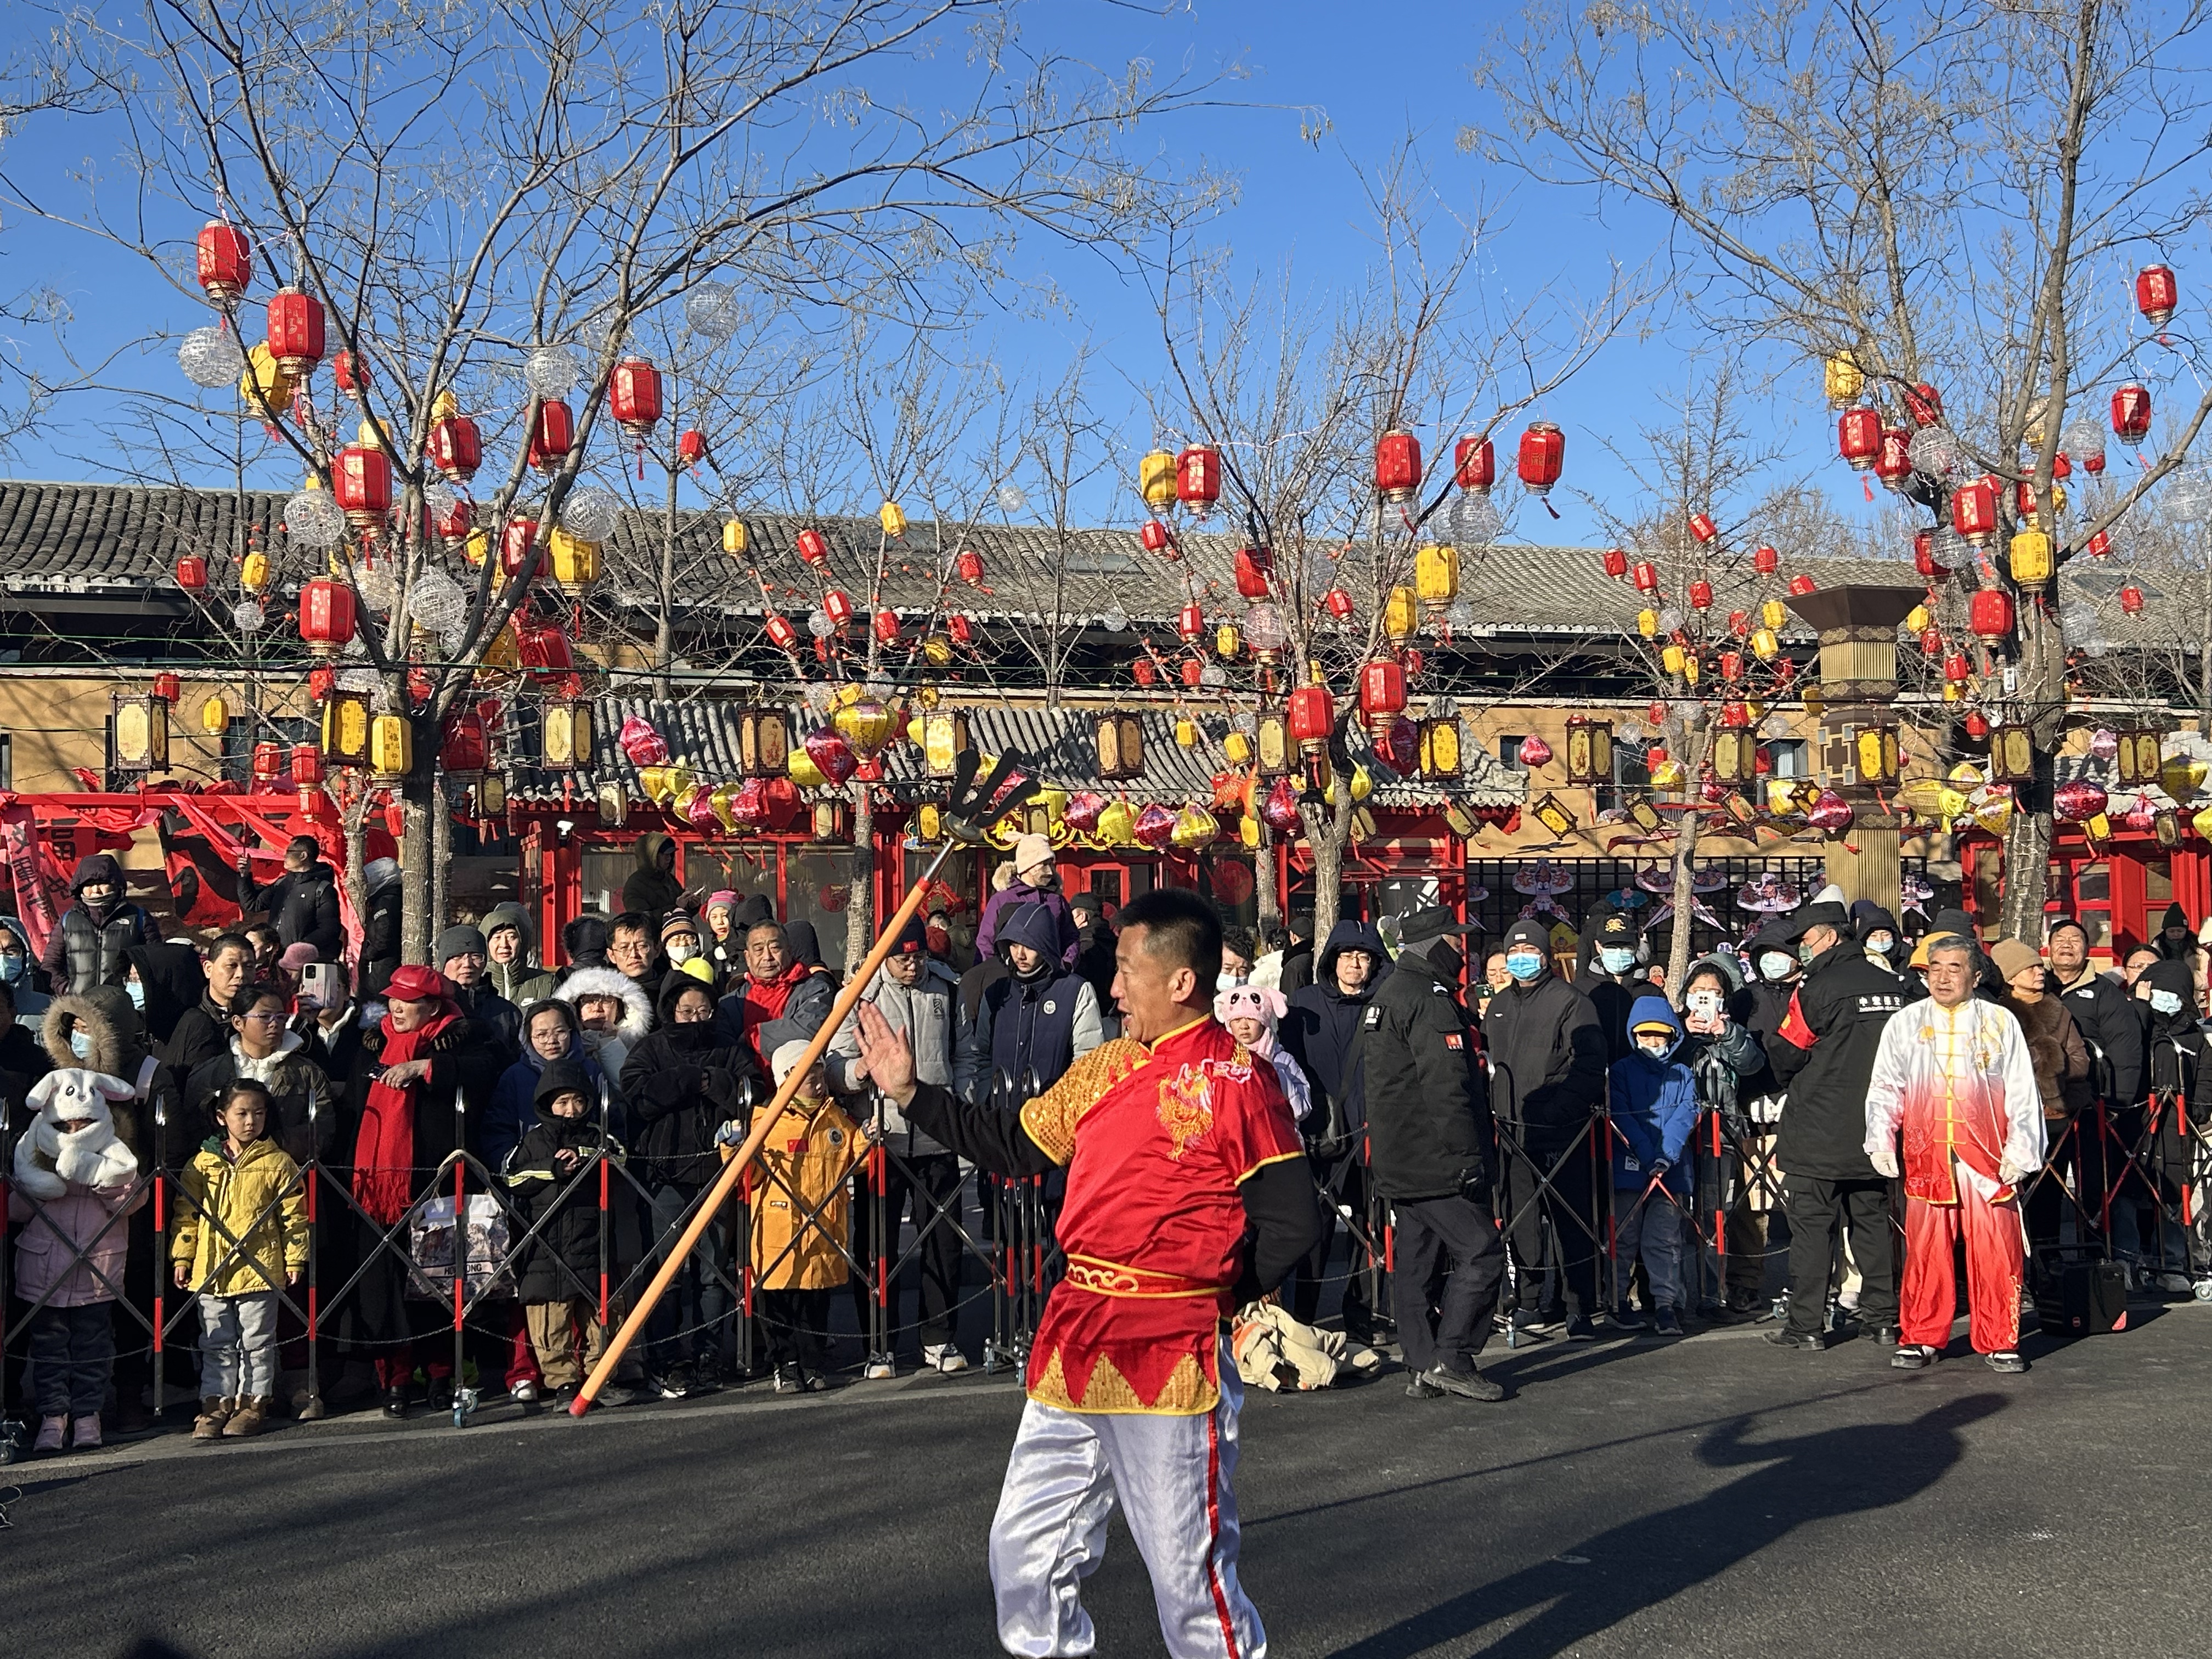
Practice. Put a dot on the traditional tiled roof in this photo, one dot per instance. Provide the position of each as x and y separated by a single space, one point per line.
1057 741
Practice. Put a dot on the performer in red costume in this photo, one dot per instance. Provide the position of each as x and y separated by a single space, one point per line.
1953 1072
1188 1195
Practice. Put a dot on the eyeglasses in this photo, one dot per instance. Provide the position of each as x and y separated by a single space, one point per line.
266 1015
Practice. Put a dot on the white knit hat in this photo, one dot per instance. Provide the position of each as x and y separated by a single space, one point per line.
1030 851
785 1058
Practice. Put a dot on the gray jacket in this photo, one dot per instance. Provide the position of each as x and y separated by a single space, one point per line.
942 1054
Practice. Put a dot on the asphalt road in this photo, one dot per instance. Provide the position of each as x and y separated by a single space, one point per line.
1714 1496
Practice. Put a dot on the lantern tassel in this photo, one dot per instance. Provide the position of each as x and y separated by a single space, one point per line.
1866 486
1549 509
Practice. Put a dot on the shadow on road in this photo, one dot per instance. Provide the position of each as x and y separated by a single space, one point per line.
1812 1477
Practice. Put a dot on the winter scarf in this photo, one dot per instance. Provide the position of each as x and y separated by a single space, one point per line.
384 1151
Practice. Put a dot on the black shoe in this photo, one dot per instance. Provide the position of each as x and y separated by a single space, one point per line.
816 1382
2009 1362
1419 1386
1813 1341
1913 1357
1669 1323
1886 1336
789 1380
395 1403
1579 1329
705 1376
1626 1319
1467 1384
674 1383
563 1398
618 1393
1540 1323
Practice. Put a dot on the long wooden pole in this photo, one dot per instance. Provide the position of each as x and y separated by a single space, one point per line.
764 1119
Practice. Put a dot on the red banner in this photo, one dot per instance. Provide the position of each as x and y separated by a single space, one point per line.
42 892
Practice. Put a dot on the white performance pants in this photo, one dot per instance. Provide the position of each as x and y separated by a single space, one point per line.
1172 1475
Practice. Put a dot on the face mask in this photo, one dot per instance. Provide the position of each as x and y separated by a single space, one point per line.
11 967
136 990
2165 1002
1616 958
1227 981
1882 944
1524 965
1655 1047
1805 956
1776 964
81 1041
680 954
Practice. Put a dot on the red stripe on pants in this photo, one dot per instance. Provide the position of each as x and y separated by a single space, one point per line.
1214 1531
1995 1258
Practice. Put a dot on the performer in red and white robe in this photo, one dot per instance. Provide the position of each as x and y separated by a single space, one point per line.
1953 1075
1178 1152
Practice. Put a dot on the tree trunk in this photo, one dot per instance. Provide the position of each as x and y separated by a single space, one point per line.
415 858
664 638
1328 832
860 907
441 855
2041 675
1684 893
1267 902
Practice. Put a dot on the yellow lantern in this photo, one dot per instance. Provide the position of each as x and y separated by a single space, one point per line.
574 562
1667 774
1842 379
254 572
653 779
722 802
944 735
1156 479
805 773
929 822
346 728
679 777
477 548
1916 619
1238 747
1248 829
1774 613
390 746
937 650
1186 732
892 517
1440 757
1647 624
1195 827
264 387
445 406
2202 823
1227 641
1691 668
1117 825
1436 575
215 717
2181 776
735 539
866 724
1671 657
1764 644
2031 559
369 434
1402 614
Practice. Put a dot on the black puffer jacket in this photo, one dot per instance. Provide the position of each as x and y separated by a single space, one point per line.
2107 1020
86 948
680 1084
558 1224
1319 1030
175 983
1547 1064
1428 1107
302 906
1824 1057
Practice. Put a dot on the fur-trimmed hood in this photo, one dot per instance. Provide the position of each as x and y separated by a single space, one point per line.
637 1008
115 1050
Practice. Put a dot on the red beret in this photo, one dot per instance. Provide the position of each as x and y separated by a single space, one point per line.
414 983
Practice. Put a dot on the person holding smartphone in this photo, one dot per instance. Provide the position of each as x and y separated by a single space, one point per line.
1725 1057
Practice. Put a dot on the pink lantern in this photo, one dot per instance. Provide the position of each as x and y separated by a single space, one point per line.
1830 813
748 806
2078 801
1400 747
1155 827
1279 810
831 755
701 812
2104 742
1082 811
1535 752
641 744
2143 816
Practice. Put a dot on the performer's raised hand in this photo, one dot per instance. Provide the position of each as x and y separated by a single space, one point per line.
886 1052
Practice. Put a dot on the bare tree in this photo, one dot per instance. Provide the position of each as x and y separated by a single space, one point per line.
484 210
1941 197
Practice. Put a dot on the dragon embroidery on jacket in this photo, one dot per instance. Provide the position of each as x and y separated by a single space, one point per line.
1186 1107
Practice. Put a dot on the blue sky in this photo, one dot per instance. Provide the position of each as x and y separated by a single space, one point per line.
1376 76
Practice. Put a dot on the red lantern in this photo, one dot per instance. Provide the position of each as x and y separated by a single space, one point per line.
1765 560
1701 595
1740 624
814 548
1801 585
322 680
2094 464
1931 641
692 447
295 331
351 370
1535 753
169 688
2131 413
1279 810
1145 672
1925 404
1957 669
1475 464
516 543
1616 562
780 633
1892 464
1198 475
1829 813
968 564
2077 801
1974 512
1190 622
1703 527
361 482
457 523
1923 554
1735 714
1192 673
1976 724
1543 454
1254 566
1646 576
837 605
462 745
1338 603
1655 712
307 766
1382 693
1397 467
545 652
1732 666
2156 294
226 262
1312 716
456 448
1155 538
634 395
326 616
887 626
1858 436
1655 757
1083 811
2099 545
1155 827
268 762
1991 616
641 743
831 754
2131 598
551 436
962 630
192 574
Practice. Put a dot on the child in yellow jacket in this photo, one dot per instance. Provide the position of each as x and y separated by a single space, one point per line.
241 1226
802 1223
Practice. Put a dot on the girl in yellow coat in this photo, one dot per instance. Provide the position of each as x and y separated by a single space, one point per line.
802 1223
241 1232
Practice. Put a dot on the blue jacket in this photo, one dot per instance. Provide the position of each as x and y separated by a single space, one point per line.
1034 1021
512 1112
1653 1103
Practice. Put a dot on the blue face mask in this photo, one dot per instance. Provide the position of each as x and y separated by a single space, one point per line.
1618 959
2165 1002
11 966
1524 965
80 1043
136 990
1776 964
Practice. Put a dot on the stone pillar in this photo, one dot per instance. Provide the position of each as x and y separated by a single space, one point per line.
1858 626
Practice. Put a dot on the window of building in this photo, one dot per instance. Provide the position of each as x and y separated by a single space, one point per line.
1509 751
